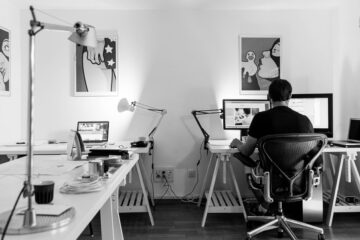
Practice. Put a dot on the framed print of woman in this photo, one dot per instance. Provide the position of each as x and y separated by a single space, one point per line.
4 62
260 63
96 68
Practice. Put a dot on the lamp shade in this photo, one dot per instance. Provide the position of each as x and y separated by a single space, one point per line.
124 105
84 35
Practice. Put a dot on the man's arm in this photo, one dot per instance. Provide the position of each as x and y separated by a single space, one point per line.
246 148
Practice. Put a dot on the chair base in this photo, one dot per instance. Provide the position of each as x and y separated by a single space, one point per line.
281 223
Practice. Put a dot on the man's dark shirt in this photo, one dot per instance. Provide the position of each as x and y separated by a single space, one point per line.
280 119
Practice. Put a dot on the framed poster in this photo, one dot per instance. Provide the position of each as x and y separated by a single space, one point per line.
260 63
96 68
5 75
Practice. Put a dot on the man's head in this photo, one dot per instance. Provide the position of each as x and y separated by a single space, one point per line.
280 91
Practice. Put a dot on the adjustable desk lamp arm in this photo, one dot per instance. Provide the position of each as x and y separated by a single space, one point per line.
162 113
195 113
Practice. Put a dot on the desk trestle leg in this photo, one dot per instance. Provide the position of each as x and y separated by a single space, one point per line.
111 230
334 192
205 180
136 201
223 201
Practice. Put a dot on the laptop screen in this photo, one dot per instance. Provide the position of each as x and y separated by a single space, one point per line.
354 129
93 131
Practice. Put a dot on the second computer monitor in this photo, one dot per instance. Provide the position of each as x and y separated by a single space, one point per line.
238 113
318 107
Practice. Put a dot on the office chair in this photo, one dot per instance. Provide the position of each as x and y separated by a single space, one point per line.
289 175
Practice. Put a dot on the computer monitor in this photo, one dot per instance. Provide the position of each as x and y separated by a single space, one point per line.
318 107
238 113
354 129
93 131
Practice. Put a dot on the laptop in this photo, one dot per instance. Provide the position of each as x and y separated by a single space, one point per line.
93 133
353 135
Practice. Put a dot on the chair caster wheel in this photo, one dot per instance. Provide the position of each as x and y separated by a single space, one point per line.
280 233
321 237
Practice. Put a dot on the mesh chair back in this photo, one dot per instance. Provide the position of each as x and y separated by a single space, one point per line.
289 158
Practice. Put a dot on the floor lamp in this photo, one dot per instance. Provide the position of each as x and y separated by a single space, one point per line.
29 222
195 113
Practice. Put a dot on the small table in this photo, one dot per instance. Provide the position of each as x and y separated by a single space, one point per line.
221 201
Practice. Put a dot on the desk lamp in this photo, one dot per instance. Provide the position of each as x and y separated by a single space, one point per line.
124 105
195 113
30 222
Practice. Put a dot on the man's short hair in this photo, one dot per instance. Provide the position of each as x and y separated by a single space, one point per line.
280 90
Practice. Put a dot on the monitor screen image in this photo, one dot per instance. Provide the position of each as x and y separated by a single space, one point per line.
238 113
318 108
92 131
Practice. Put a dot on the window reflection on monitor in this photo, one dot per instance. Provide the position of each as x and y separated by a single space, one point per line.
238 113
318 108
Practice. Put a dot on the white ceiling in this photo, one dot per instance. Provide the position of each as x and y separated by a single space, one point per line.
177 4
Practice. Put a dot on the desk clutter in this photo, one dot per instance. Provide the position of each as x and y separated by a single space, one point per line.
82 185
105 152
92 180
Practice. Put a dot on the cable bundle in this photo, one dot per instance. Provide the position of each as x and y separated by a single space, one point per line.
82 185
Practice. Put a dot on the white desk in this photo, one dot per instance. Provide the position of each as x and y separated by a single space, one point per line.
131 201
346 158
86 205
14 150
221 201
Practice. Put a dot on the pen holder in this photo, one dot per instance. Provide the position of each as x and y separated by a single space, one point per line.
44 192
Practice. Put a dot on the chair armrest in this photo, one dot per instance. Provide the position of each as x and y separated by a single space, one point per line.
267 196
247 161
311 184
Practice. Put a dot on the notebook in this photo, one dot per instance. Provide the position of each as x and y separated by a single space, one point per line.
353 135
93 133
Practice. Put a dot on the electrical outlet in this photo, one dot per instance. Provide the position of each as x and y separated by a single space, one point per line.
161 173
191 173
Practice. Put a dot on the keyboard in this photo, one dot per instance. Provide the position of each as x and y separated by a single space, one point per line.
220 142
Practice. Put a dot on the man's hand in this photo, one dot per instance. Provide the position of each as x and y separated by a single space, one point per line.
235 143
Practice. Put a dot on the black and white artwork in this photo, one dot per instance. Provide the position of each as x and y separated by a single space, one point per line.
260 63
96 68
4 62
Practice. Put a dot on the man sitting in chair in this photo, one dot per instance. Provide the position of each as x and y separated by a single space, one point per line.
279 119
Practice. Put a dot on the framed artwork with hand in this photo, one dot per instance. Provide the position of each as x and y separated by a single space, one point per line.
96 68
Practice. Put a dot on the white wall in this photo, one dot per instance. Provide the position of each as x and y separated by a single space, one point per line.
347 74
178 60
348 62
10 106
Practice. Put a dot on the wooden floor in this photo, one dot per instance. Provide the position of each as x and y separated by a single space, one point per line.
175 220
